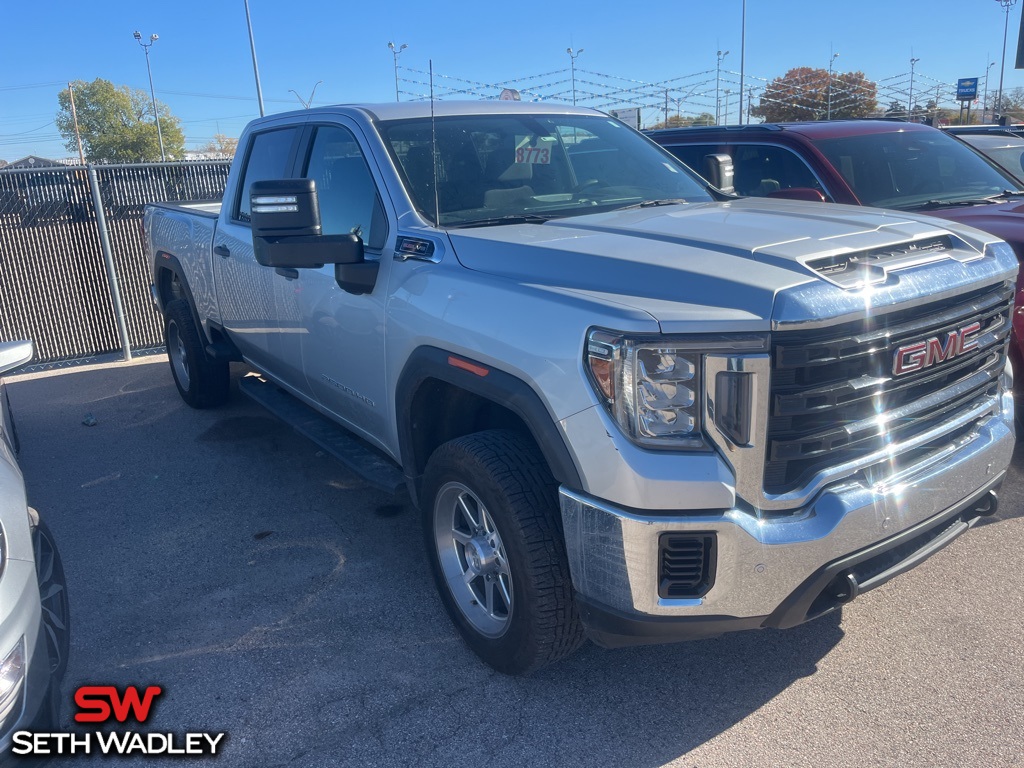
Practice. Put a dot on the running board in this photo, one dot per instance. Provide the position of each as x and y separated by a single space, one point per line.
371 465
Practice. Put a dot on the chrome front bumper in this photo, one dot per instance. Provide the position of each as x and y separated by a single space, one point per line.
764 559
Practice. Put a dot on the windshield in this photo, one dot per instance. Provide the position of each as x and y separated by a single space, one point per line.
1006 154
912 169
514 167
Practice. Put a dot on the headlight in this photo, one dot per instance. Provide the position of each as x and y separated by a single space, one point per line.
653 386
12 675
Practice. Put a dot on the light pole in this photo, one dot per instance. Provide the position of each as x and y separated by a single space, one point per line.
255 68
743 53
984 100
305 104
830 62
156 116
572 60
718 83
396 51
910 101
1007 5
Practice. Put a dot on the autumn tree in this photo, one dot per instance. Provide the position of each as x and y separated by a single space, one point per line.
220 146
116 124
678 121
804 93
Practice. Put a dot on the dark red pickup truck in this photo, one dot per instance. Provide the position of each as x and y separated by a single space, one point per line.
881 163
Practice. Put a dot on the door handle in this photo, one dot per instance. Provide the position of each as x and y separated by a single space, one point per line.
222 250
287 273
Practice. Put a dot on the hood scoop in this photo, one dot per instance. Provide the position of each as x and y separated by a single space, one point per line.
857 269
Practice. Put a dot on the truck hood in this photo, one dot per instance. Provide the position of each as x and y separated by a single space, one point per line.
717 264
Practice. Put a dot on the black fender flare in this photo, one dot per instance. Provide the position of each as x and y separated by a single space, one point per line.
499 387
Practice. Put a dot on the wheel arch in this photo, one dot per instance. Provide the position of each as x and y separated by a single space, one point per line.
436 401
166 272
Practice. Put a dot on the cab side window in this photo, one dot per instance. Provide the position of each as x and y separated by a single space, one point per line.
761 170
349 203
270 157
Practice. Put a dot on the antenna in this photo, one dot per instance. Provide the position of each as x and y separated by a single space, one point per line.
433 149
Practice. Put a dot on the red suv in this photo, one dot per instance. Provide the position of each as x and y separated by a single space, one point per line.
882 163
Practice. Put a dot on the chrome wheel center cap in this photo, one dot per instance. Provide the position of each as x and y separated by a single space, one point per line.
481 556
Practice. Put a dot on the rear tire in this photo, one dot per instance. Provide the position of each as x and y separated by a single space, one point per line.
494 541
202 381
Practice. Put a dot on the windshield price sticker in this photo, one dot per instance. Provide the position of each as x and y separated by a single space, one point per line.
533 155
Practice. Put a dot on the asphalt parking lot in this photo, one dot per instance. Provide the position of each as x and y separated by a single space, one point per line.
274 596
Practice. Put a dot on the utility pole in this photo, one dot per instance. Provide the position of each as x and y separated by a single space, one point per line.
74 118
1007 5
727 92
743 53
666 107
984 101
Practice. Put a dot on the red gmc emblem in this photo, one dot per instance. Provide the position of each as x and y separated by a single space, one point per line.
923 354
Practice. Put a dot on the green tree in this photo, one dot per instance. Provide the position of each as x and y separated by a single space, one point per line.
116 124
804 93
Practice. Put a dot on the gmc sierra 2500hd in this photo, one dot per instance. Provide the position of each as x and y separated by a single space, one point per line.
629 407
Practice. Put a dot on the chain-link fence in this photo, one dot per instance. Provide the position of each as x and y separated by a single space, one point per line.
59 284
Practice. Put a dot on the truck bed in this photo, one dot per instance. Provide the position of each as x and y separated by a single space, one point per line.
209 209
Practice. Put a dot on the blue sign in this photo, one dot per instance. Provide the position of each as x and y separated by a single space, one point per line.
967 88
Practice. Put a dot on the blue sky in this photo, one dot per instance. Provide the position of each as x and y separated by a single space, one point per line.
202 67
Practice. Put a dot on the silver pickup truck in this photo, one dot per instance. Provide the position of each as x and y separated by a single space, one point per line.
629 406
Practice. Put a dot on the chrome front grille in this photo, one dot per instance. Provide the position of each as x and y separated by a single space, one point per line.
835 399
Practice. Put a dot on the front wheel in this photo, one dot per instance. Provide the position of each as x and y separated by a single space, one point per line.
53 596
491 521
202 381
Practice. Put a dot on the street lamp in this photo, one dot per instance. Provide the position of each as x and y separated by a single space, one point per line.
718 82
830 62
910 101
572 59
984 100
305 104
1007 5
743 53
255 66
396 51
156 117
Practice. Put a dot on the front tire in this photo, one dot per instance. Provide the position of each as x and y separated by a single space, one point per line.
202 381
53 595
495 546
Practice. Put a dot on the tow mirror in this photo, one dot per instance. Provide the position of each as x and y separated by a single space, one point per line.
284 208
718 169
286 231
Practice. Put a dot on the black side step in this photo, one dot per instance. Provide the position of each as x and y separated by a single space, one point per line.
371 465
